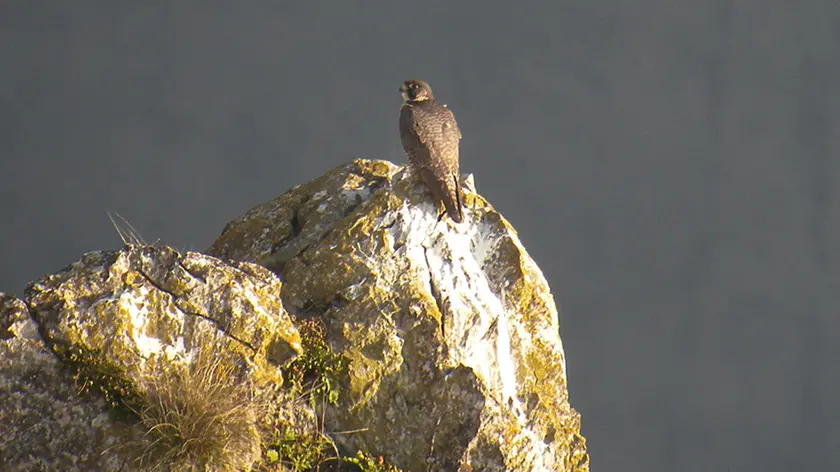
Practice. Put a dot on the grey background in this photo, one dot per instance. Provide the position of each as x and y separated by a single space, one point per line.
672 167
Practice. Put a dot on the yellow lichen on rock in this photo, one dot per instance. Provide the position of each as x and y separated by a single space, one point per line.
450 330
437 344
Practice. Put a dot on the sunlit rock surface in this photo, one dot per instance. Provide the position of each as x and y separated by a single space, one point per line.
121 321
45 423
133 309
451 330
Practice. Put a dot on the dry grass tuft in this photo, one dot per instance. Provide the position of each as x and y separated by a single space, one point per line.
199 418
126 231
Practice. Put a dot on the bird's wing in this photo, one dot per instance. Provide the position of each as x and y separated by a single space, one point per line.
450 137
451 123
436 131
413 137
430 137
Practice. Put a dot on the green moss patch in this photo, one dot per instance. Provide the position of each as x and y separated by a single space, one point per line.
315 372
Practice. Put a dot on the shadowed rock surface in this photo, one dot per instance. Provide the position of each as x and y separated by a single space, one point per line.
450 333
46 423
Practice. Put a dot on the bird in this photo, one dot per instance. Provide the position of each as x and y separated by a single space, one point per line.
430 137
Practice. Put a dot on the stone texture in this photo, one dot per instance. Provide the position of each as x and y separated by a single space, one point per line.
451 330
121 321
45 423
129 311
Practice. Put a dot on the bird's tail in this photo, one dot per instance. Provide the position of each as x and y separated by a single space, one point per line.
453 204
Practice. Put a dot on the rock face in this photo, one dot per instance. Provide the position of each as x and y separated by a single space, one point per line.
47 425
449 333
130 321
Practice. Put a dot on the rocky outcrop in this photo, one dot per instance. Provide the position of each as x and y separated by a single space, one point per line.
46 423
441 340
137 325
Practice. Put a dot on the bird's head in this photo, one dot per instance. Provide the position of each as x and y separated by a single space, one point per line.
416 91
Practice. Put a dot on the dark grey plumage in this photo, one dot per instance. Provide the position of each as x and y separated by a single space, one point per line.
430 137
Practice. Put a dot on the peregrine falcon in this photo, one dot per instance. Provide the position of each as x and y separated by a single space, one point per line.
430 138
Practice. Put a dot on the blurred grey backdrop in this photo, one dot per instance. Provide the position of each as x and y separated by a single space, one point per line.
672 166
